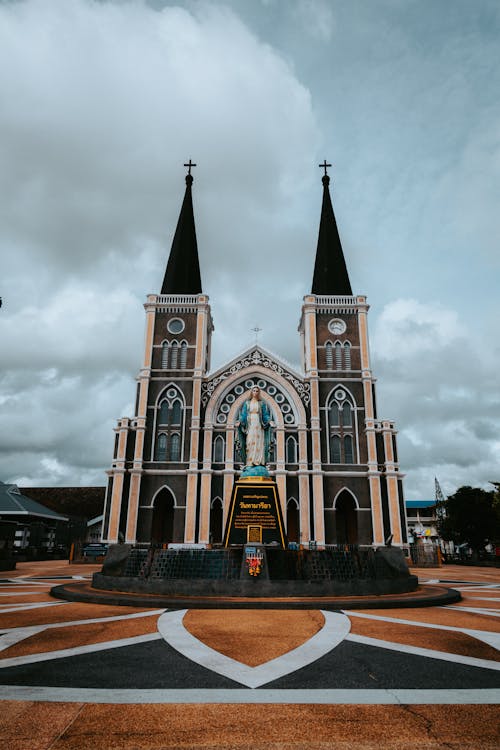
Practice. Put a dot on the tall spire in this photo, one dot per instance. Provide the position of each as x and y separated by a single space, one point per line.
183 268
330 271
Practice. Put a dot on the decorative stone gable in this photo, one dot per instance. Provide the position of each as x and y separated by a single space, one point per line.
256 357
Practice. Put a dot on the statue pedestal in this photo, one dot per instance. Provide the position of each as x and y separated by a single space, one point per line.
255 513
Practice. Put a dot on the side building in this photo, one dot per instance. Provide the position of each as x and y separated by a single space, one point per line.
335 462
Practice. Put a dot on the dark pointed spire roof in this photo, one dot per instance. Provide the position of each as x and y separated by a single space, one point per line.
330 270
183 268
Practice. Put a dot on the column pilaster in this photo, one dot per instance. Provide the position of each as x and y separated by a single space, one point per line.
374 482
391 474
118 481
199 371
303 478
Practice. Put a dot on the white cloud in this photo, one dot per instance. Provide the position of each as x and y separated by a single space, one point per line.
437 380
316 17
407 327
102 102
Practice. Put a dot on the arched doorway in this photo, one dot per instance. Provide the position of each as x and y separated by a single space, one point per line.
346 519
292 521
162 527
216 521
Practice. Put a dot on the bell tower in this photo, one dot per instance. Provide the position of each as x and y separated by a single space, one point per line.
152 490
355 481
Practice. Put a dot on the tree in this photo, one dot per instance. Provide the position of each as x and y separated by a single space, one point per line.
471 515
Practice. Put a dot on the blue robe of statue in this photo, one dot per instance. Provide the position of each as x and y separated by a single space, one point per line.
265 418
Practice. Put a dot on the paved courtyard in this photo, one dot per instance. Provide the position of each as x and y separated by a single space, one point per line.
75 675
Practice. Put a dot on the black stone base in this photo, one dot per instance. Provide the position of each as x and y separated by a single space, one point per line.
423 596
336 571
8 564
254 587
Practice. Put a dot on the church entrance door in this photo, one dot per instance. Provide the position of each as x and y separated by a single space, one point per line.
346 519
162 527
292 522
216 522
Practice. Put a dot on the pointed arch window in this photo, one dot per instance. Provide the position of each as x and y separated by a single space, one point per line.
161 447
291 450
341 424
176 412
174 350
346 414
335 449
329 355
183 357
347 355
163 415
334 413
218 453
338 355
164 355
175 447
348 452
169 426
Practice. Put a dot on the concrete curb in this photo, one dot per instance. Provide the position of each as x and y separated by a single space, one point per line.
424 596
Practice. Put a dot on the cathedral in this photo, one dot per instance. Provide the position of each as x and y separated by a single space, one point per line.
334 460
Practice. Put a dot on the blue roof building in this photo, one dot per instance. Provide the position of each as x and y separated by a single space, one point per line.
36 525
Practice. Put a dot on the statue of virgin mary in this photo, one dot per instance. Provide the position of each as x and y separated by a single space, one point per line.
254 431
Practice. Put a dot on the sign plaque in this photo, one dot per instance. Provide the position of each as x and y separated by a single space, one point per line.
254 534
255 514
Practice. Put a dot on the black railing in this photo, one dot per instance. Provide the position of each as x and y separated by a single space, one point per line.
340 562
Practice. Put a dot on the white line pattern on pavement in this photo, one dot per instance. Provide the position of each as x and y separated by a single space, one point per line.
308 696
22 593
333 632
477 610
25 606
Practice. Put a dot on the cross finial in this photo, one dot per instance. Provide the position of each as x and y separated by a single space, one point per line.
189 165
256 330
324 166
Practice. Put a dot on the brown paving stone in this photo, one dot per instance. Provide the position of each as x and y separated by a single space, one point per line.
438 640
37 725
81 635
253 636
53 568
458 573
64 613
9 710
34 598
277 727
440 616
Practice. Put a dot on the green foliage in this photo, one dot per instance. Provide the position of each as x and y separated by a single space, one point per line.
471 515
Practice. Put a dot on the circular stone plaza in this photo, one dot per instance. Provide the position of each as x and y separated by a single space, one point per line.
139 674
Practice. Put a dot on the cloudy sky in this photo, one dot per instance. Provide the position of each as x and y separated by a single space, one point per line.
100 105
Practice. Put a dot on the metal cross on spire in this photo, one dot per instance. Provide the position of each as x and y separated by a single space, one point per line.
189 165
324 166
256 330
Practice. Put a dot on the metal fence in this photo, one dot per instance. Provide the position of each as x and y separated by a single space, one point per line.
335 562
425 555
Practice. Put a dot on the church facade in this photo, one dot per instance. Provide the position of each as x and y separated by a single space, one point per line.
334 460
